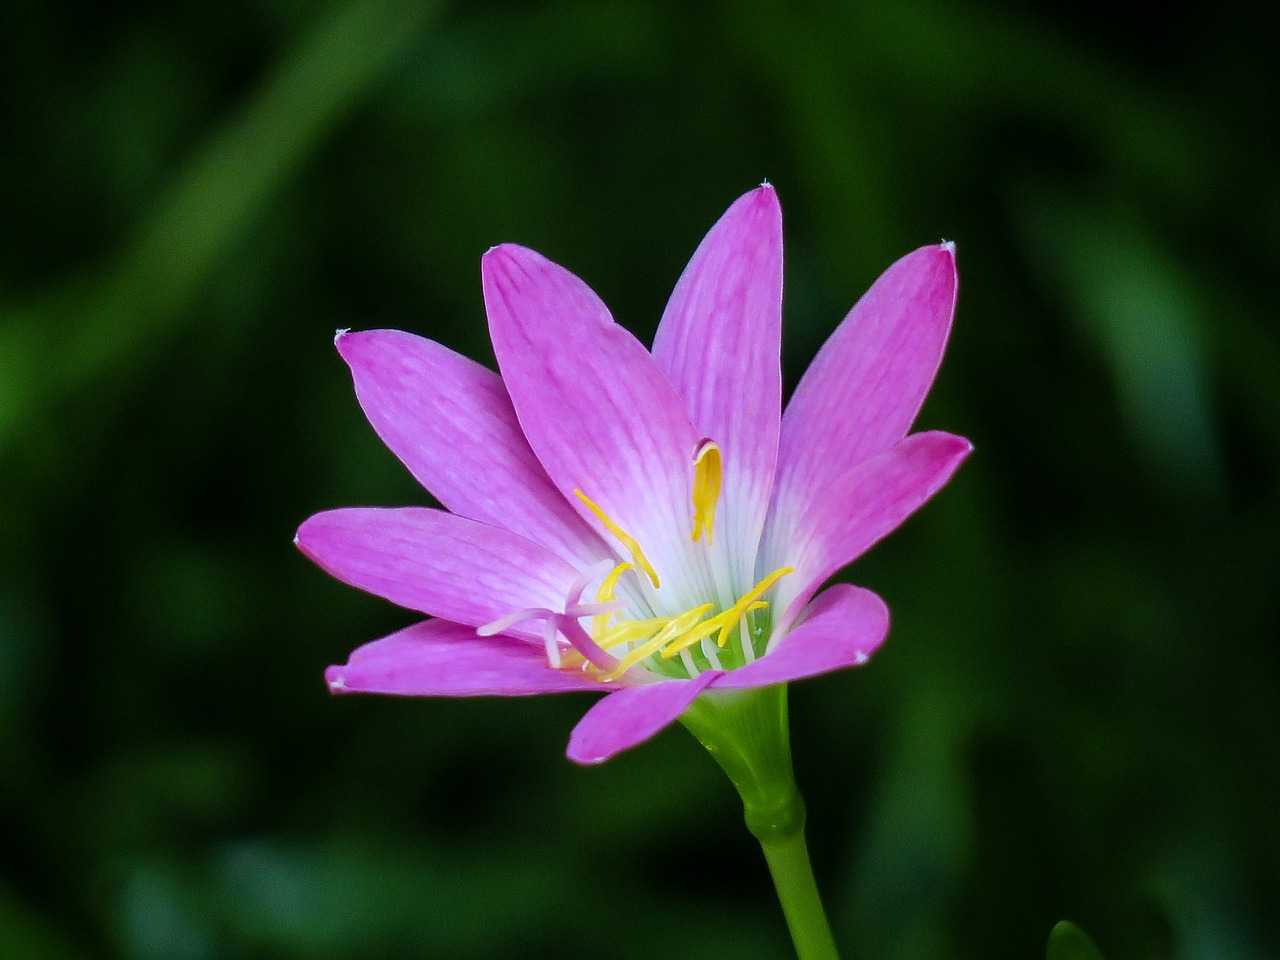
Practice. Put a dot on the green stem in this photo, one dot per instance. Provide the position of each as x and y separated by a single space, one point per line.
788 859
747 733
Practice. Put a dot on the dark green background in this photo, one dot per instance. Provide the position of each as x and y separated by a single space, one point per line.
1076 712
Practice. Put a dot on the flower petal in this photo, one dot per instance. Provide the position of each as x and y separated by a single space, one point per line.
863 390
437 563
858 509
719 343
631 716
841 628
450 421
598 412
439 658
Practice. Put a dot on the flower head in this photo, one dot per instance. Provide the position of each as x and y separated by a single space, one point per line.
646 525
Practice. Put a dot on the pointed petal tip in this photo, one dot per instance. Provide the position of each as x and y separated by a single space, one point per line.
941 254
943 250
334 679
584 759
949 446
348 342
948 249
759 202
963 445
300 534
936 261
504 251
763 197
491 258
506 264
303 537
367 345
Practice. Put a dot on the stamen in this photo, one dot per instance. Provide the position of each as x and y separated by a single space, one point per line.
605 594
686 660
569 645
725 622
675 627
699 633
744 641
627 541
630 632
750 600
706 487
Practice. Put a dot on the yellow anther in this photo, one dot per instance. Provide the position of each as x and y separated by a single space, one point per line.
600 622
706 488
630 632
726 621
748 601
697 634
627 541
673 628
605 593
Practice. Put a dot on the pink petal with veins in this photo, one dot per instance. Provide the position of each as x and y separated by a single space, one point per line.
600 414
841 628
863 506
631 716
437 563
863 390
449 420
719 342
439 658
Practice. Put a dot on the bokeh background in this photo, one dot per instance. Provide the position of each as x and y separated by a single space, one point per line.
1076 712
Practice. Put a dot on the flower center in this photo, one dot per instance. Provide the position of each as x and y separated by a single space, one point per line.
683 645
659 641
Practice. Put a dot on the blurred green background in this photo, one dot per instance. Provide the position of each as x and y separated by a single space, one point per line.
1076 712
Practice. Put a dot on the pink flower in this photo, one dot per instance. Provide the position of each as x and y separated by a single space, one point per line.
649 526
